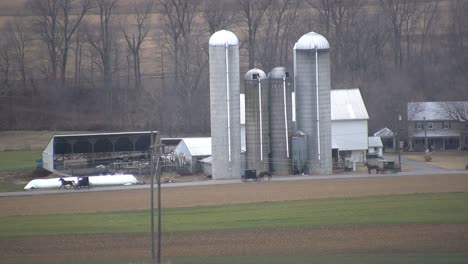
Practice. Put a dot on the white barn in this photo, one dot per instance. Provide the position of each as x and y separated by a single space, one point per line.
349 124
190 151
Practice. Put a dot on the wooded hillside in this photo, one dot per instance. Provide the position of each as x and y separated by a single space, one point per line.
143 64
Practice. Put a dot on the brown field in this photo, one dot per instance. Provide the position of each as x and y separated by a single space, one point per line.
350 239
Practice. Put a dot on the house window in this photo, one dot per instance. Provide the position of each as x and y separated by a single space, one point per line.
430 125
447 125
418 125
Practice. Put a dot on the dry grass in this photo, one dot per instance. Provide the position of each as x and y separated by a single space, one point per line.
446 160
28 140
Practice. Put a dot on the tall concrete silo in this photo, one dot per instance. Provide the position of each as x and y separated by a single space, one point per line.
224 105
313 109
257 120
280 121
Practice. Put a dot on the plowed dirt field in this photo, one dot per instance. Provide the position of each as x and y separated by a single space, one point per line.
291 241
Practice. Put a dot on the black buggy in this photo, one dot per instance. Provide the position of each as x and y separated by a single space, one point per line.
250 175
83 182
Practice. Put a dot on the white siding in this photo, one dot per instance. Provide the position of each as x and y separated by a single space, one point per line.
48 156
350 135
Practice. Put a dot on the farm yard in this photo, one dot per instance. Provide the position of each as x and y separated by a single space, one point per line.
413 219
381 219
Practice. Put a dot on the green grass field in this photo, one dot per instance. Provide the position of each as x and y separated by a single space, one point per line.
18 160
399 209
413 258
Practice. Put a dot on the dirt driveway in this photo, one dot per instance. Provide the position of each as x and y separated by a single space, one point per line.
291 241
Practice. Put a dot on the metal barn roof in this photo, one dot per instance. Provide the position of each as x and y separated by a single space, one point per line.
417 111
375 142
347 104
200 146
384 133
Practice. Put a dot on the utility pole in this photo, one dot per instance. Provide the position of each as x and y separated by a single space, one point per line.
155 150
399 142
425 134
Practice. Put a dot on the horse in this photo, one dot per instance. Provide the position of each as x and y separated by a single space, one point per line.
373 167
66 183
262 174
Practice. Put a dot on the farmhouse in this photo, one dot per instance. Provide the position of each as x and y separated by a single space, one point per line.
432 125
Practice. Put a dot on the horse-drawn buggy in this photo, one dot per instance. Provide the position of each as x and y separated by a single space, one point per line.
252 175
83 182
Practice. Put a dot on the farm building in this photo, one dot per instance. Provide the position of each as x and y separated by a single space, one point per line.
437 125
88 154
375 146
388 138
190 151
349 124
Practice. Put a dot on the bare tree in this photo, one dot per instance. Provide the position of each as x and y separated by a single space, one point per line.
5 66
429 10
457 111
401 14
16 32
277 33
252 12
134 39
217 15
187 45
56 23
339 18
68 26
457 40
46 15
102 43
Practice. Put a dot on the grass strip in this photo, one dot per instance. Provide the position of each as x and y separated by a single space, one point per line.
437 208
17 160
384 258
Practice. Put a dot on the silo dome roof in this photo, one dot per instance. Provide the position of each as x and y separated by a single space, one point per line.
250 74
223 37
278 73
312 40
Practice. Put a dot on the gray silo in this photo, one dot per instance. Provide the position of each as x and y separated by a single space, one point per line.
313 109
225 105
280 121
257 120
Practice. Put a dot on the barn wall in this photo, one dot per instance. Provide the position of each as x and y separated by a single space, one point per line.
350 134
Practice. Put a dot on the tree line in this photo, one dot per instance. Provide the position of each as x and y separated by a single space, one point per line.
143 64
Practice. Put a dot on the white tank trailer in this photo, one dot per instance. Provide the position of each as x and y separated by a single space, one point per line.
280 90
257 120
312 90
225 105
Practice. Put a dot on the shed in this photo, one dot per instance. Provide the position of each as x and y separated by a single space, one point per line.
190 151
376 146
387 136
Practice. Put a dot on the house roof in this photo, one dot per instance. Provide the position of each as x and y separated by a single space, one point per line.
375 142
200 146
430 111
435 133
347 104
384 133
